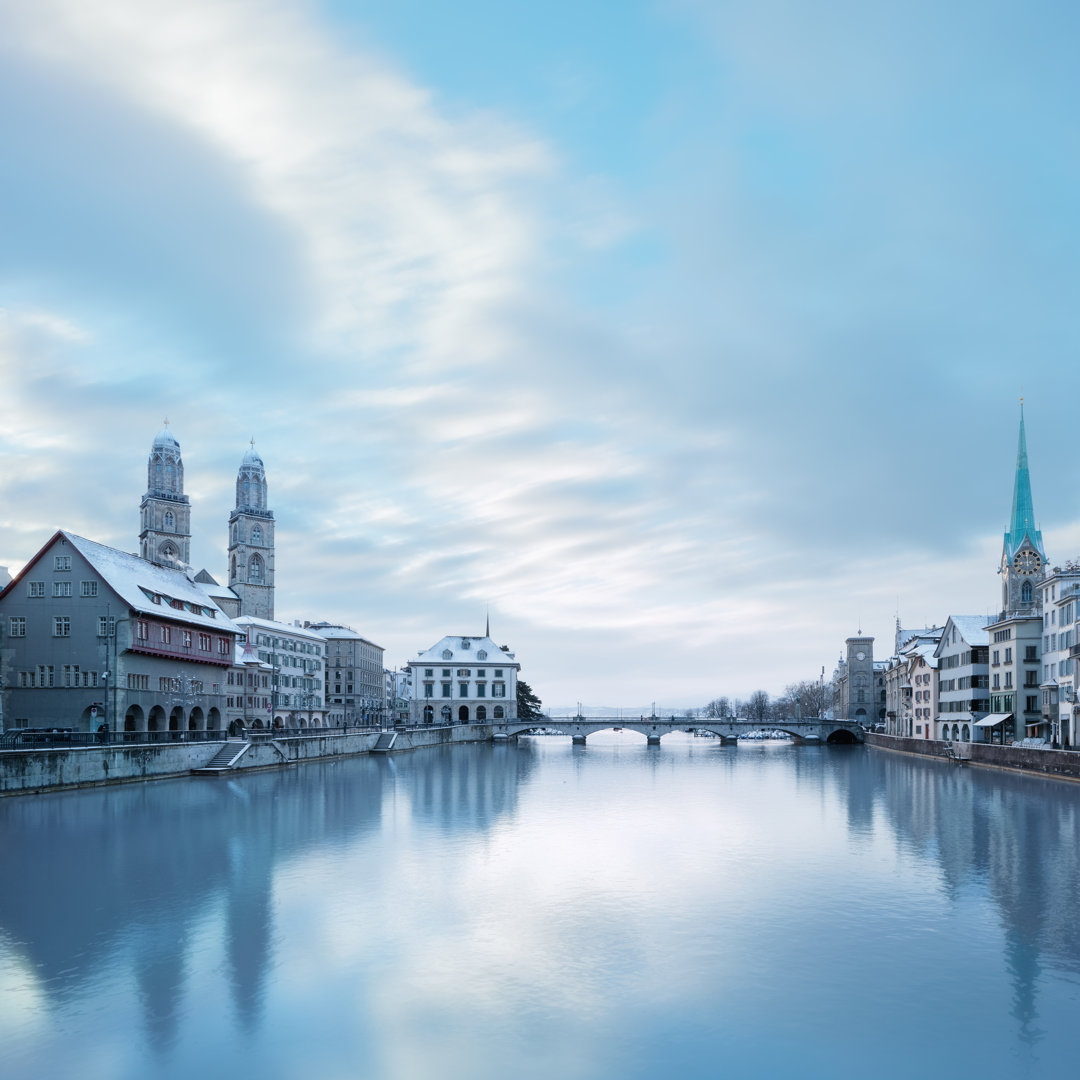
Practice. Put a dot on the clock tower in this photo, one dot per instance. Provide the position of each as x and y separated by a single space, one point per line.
1023 558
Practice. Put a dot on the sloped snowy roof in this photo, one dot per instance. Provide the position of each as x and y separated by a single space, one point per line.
461 653
273 627
133 578
972 628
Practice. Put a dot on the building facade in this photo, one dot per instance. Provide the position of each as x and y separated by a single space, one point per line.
96 636
355 682
963 658
288 660
463 680
1060 601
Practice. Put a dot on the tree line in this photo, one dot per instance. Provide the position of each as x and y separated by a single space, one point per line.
806 698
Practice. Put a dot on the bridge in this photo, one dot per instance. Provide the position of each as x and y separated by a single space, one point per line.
802 730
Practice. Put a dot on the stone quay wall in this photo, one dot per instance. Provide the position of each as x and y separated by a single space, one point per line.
24 772
1064 764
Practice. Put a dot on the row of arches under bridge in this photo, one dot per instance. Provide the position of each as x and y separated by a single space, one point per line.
176 718
464 715
816 731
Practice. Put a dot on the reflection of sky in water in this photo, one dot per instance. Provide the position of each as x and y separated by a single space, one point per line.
541 910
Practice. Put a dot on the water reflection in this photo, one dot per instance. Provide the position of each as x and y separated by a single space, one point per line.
437 897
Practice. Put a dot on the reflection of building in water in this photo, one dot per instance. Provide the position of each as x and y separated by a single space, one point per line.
467 787
1019 835
131 871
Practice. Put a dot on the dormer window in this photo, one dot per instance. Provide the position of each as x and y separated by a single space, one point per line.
466 643
447 654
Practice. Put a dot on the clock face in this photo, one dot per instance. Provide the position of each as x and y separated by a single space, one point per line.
1027 562
860 656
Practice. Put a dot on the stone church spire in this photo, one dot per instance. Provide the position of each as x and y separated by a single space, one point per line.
165 513
251 540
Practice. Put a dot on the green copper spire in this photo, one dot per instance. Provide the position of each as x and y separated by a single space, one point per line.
1023 512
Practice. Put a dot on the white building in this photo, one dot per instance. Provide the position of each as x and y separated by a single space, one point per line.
1060 593
294 658
463 680
963 657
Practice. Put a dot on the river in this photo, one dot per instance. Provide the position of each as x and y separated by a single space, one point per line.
547 910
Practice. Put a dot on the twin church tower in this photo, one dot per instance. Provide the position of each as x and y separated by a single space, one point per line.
165 523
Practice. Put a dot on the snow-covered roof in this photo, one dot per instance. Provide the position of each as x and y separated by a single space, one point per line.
972 628
137 582
281 628
337 632
463 649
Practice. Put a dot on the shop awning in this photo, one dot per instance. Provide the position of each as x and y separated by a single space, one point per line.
994 719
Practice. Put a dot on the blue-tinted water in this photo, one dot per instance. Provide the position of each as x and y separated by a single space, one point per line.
543 910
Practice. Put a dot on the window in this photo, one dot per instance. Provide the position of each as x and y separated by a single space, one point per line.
1029 653
1008 680
256 535
429 689
447 655
463 689
1008 656
17 626
446 688
61 562
61 626
1032 703
106 626
35 588
481 690
997 681
446 673
61 589
142 630
429 672
463 673
482 654
498 689
166 635
205 642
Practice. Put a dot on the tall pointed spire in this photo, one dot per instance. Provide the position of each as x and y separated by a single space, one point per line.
1022 522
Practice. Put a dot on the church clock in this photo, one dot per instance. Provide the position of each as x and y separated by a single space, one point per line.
1027 562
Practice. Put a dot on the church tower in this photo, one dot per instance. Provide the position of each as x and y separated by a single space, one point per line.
251 541
165 514
1023 559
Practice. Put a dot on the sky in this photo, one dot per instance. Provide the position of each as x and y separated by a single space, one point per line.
682 338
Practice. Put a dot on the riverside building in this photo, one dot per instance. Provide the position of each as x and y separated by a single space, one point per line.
140 641
462 680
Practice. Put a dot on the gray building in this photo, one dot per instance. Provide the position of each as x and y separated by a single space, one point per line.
95 635
355 678
251 541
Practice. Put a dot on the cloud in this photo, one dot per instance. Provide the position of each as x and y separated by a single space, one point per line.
664 415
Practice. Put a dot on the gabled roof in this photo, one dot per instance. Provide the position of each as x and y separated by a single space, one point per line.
460 653
972 628
136 581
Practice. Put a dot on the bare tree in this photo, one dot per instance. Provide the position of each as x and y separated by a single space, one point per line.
718 709
757 708
813 697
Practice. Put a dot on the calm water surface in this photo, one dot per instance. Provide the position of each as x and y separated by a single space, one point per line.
544 910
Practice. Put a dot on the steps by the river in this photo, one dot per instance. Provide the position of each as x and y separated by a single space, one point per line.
384 743
225 759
